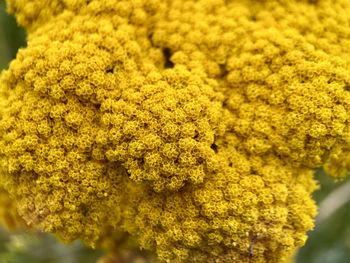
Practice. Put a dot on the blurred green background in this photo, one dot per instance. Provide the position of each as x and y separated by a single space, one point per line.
328 243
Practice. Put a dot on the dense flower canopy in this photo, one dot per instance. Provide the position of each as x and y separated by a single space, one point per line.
190 127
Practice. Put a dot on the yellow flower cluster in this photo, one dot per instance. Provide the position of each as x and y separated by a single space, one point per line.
8 212
193 127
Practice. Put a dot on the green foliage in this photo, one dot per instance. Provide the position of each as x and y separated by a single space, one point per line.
27 247
11 37
330 240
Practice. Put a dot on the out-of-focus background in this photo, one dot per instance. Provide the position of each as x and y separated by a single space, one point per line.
328 243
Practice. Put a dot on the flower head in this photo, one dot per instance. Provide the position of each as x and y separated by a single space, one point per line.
193 127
